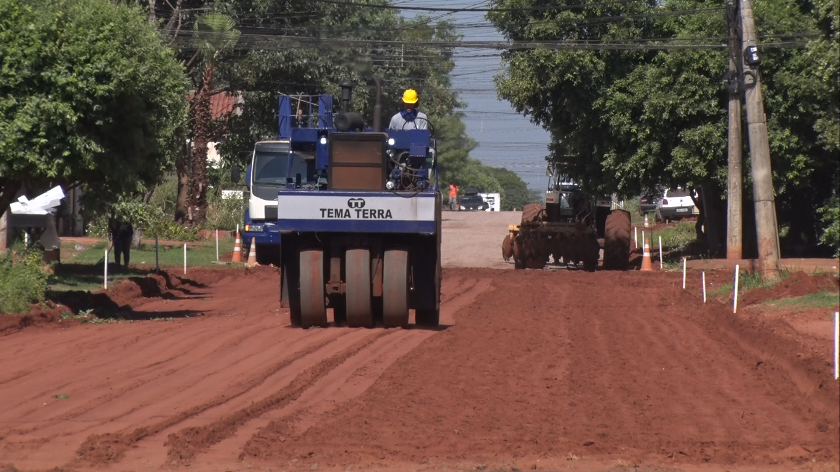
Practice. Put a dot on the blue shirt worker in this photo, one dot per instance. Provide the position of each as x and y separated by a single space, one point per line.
409 117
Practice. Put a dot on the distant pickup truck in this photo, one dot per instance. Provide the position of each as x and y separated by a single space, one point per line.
675 204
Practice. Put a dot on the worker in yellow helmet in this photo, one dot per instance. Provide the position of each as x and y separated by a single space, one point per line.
409 117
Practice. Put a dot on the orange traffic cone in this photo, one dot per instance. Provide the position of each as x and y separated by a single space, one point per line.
237 250
647 225
646 264
252 253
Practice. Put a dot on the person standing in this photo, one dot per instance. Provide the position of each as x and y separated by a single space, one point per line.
122 232
453 196
409 117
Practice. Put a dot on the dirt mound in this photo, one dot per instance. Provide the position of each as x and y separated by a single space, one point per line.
122 297
38 315
795 285
117 301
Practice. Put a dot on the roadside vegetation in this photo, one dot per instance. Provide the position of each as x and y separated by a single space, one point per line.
748 281
131 82
22 280
199 253
820 300
631 119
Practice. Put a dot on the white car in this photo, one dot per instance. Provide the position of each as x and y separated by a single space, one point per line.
675 204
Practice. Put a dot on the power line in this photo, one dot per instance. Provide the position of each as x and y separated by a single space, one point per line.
580 21
462 10
281 42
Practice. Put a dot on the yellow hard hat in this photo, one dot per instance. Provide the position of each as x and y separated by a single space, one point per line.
410 96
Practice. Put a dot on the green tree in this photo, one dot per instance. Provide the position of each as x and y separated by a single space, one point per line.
89 94
317 68
457 165
824 60
284 62
515 192
626 120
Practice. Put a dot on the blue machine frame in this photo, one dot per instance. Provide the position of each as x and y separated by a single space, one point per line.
359 223
313 130
319 123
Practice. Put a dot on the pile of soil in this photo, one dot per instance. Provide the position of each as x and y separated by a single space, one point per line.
122 297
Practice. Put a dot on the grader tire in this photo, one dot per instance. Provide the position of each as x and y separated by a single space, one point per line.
617 240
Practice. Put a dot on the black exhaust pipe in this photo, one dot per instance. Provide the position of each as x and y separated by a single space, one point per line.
346 95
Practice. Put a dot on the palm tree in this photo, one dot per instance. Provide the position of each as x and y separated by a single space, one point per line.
213 35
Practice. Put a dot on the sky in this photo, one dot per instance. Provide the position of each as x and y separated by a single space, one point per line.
505 138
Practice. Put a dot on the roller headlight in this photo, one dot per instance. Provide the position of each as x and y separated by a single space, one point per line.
389 185
323 140
391 141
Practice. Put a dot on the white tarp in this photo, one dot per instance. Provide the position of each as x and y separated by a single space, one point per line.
40 205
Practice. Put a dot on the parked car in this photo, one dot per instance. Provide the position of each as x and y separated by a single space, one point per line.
675 204
471 200
649 200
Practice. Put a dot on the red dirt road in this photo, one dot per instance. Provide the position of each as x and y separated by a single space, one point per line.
547 370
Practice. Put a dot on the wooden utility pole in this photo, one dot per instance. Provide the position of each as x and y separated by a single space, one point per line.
765 205
735 196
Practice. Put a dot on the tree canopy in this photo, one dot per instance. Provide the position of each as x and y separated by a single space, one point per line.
265 72
88 93
262 71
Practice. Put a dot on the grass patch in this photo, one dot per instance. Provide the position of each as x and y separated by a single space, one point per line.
86 277
746 282
82 269
825 299
677 241
201 253
674 238
725 289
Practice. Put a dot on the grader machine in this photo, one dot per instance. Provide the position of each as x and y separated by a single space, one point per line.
571 227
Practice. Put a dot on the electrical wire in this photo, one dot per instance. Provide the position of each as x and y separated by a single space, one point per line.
281 42
485 10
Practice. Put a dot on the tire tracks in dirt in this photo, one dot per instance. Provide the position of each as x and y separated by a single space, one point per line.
345 382
538 365
157 394
561 364
771 355
672 359
331 370
185 444
113 445
150 449
160 356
